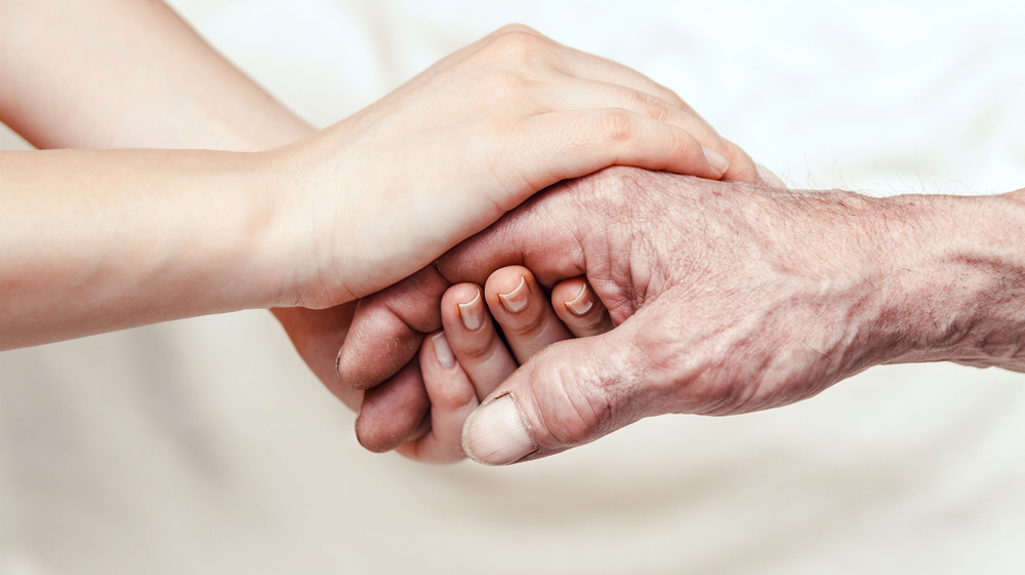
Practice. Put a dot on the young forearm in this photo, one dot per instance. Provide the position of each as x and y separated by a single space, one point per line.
128 74
184 92
100 240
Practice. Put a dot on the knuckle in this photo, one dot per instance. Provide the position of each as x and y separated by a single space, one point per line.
697 379
614 189
516 28
582 412
740 160
596 321
519 46
449 395
476 350
618 126
656 107
684 145
673 98
527 325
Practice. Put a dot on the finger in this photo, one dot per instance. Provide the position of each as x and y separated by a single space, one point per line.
583 314
473 339
453 398
769 177
580 65
388 327
394 321
570 394
523 310
587 66
379 355
393 412
563 145
593 95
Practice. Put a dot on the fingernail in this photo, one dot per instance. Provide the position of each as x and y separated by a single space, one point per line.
582 303
766 175
495 434
717 160
443 351
516 300
472 313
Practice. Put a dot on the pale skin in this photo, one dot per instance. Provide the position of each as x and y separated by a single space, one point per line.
732 298
96 240
160 86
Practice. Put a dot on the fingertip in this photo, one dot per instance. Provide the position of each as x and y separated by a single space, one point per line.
393 412
442 351
470 332
580 309
509 289
448 386
463 306
508 279
742 167
688 156
717 161
380 444
452 397
769 177
497 434
573 295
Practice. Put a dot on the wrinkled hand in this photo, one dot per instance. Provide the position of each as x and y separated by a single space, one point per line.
728 298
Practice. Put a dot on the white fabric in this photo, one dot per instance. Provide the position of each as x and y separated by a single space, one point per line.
205 446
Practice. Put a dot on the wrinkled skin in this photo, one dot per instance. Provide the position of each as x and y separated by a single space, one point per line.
726 298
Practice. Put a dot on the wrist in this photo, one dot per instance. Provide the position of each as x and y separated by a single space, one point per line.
954 279
276 237
230 228
289 255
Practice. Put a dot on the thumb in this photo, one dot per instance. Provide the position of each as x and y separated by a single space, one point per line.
569 394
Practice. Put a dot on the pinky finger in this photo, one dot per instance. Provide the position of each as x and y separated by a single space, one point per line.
453 399
577 306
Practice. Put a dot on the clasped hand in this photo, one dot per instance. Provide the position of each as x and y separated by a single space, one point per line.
450 151
726 298
389 189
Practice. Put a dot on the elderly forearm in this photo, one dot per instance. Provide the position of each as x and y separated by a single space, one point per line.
958 272
732 299
99 240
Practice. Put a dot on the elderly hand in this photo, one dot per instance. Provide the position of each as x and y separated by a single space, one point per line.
728 298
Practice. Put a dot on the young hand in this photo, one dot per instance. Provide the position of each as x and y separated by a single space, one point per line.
465 362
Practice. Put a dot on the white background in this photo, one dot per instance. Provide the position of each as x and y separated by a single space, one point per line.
205 446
